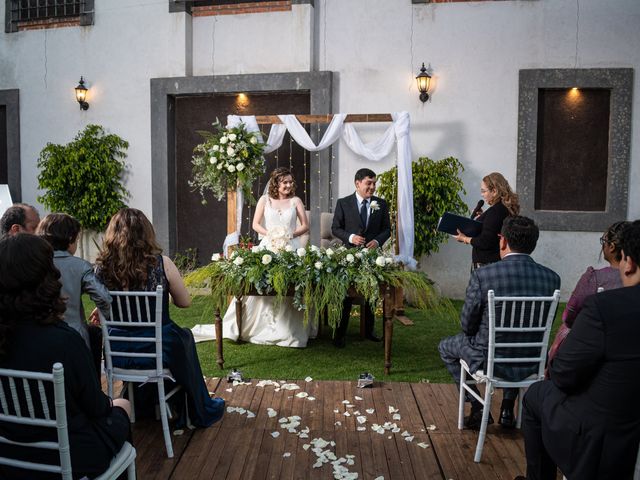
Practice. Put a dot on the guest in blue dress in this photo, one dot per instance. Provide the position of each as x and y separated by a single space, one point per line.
131 259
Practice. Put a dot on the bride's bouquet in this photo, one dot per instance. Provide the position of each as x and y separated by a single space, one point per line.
278 237
228 158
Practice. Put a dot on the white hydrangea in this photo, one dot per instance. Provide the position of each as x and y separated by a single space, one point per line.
329 252
223 140
266 259
215 148
380 261
240 166
301 252
238 261
350 258
232 137
358 255
231 152
318 265
231 168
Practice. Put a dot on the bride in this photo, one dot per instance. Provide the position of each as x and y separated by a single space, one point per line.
280 219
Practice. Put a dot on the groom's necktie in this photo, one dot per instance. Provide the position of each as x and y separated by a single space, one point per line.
363 213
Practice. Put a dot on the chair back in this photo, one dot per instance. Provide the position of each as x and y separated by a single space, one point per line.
23 401
519 329
134 327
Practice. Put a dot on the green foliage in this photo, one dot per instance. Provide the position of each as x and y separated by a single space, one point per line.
186 261
84 177
318 279
436 189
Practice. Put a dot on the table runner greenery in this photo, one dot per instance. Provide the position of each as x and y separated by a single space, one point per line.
318 278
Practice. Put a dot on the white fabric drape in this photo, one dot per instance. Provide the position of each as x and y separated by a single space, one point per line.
397 133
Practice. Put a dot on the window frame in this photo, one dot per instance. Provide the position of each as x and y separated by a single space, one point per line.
85 17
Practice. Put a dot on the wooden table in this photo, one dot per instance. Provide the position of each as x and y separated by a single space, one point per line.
388 307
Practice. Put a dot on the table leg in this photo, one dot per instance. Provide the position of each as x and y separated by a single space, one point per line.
388 310
218 326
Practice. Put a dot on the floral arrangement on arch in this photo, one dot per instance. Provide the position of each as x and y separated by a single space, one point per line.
229 158
318 279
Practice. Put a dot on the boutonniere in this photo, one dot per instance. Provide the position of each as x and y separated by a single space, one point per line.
374 206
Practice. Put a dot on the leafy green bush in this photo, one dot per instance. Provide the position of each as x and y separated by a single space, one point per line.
436 189
84 177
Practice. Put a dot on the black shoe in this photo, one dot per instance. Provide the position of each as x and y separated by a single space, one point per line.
474 420
373 337
520 477
339 342
507 420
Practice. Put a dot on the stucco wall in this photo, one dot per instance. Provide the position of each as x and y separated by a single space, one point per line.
376 47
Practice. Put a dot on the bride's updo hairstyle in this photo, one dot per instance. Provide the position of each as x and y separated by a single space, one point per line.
276 177
129 251
29 285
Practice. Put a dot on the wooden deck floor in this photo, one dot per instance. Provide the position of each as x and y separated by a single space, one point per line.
244 447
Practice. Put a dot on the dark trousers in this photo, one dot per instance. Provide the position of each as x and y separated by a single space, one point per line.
369 318
540 465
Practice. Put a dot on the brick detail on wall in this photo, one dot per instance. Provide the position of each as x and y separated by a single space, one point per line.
49 23
451 1
239 8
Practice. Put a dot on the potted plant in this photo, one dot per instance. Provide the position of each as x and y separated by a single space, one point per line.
437 187
84 178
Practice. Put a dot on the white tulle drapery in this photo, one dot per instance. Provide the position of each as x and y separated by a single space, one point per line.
397 133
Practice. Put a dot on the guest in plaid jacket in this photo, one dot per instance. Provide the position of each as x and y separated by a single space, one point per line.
516 275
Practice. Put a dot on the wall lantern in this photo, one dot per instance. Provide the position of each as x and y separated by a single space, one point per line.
81 95
423 79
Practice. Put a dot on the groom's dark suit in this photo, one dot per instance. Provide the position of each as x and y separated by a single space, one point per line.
346 222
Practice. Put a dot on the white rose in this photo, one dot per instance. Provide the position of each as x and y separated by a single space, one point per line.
230 151
301 252
266 259
318 265
253 140
255 249
380 261
231 168
215 148
359 255
212 160
215 257
223 140
240 167
314 248
288 248
220 165
232 137
238 261
388 260
350 258
329 252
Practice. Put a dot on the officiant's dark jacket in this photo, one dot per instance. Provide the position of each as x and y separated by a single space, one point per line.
346 221
590 415
515 275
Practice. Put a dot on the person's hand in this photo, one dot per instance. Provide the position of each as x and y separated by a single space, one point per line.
478 213
94 318
372 244
358 240
461 237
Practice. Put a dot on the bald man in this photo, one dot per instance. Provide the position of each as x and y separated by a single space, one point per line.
19 218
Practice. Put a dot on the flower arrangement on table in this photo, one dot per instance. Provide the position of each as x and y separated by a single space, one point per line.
229 158
318 278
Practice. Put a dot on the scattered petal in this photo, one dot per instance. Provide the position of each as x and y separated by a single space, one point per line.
361 419
423 445
396 416
357 397
338 423
305 447
286 454
405 434
226 389
177 433
392 409
370 411
395 430
381 477
275 434
302 394
431 427
336 411
346 402
308 379
346 414
311 398
409 439
250 414
271 412
361 429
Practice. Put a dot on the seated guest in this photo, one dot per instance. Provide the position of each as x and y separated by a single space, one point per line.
131 259
516 275
19 218
33 337
585 420
606 278
77 276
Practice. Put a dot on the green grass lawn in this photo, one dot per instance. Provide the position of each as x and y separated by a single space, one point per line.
414 352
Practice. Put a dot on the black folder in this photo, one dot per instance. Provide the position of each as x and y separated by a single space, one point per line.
450 223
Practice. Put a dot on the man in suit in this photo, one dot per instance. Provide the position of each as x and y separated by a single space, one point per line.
517 274
19 218
360 220
585 419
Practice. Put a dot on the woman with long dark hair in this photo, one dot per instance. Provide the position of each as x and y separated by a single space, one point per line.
131 259
33 336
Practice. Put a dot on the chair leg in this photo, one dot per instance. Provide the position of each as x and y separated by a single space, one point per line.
163 418
133 410
109 385
463 380
519 417
131 470
485 422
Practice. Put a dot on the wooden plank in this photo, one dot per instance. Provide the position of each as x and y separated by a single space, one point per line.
404 320
198 453
352 117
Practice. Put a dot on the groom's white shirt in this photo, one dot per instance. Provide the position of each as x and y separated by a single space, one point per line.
360 200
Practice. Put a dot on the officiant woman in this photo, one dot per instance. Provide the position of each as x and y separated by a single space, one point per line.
503 202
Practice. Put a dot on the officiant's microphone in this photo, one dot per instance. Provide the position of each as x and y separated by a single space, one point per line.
477 209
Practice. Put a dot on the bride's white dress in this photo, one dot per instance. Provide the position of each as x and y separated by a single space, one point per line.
262 322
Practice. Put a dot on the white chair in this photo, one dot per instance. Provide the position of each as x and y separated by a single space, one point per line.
27 389
133 311
520 318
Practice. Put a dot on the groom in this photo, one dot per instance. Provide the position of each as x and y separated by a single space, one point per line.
360 220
